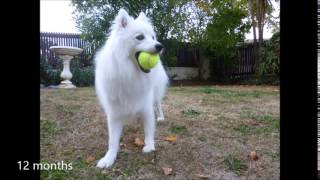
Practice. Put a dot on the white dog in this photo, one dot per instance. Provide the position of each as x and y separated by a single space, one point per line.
125 90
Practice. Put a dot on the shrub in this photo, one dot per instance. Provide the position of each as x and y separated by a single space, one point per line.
169 58
48 75
269 61
81 75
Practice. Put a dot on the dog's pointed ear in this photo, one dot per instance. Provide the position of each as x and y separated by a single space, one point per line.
123 18
143 17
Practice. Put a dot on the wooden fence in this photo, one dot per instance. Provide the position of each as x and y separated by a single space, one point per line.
245 63
187 57
48 39
242 66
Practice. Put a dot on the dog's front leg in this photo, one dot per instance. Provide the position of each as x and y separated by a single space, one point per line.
149 129
160 116
115 128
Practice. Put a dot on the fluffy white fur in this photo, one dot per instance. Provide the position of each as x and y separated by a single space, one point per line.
126 92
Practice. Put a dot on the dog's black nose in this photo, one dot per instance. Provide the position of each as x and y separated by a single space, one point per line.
158 47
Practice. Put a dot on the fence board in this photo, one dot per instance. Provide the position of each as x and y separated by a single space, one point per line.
48 39
187 56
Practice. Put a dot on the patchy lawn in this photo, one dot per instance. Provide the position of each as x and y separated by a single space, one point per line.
216 128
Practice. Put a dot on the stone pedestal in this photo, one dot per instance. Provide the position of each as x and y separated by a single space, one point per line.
66 74
66 54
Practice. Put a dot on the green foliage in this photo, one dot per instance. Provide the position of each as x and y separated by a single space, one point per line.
215 27
48 75
81 76
260 80
226 28
235 164
178 129
169 58
191 113
94 18
269 61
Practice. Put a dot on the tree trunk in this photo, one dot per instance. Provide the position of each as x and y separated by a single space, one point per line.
259 14
260 33
253 21
254 26
254 33
255 49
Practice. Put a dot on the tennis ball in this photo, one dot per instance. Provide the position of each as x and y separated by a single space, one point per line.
147 60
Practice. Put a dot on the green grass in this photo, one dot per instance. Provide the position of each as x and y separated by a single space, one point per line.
269 122
177 129
233 93
180 90
69 109
133 164
235 164
244 129
80 170
209 90
275 156
48 128
191 113
55 174
202 139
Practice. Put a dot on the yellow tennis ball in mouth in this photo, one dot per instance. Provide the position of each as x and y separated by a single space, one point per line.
148 60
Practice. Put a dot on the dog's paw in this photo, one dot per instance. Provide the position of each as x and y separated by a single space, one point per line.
147 149
105 162
160 119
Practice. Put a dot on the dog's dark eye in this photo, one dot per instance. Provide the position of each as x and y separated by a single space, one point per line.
153 37
140 37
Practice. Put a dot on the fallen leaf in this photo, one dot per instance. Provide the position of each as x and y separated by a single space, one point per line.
253 155
138 142
253 122
201 176
167 170
171 138
89 159
123 145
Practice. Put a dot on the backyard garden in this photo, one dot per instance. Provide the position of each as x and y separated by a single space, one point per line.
222 122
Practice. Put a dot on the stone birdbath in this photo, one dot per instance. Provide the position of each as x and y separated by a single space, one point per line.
66 53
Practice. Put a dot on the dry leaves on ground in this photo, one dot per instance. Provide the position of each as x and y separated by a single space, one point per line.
171 138
253 122
253 155
138 142
167 170
123 145
89 159
202 176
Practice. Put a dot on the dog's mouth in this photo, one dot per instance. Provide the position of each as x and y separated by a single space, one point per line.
141 68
